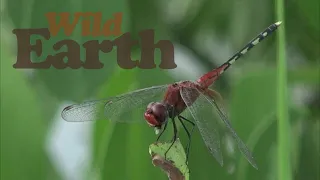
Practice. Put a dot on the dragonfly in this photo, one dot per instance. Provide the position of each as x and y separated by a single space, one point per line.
163 103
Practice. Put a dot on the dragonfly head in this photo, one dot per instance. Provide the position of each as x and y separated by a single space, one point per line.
156 114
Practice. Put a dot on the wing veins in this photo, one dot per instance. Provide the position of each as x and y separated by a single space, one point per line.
241 145
76 112
212 143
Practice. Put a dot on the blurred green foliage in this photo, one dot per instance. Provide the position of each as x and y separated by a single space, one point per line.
30 98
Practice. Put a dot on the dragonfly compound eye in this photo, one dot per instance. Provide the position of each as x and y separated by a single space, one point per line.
150 105
156 114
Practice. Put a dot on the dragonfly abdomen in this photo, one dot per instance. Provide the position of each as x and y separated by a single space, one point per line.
250 45
209 78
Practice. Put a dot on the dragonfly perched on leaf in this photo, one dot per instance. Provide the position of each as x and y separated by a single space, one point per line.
162 103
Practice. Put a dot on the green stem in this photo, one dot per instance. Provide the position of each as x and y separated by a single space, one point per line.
284 170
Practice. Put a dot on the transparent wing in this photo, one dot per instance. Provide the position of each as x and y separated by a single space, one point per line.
217 104
201 111
212 122
113 107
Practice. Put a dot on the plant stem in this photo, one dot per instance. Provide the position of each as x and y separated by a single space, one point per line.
175 163
172 172
284 169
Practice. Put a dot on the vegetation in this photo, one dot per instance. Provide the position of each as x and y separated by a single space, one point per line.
272 94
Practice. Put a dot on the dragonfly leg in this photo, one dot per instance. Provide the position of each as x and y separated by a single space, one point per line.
175 131
164 128
181 118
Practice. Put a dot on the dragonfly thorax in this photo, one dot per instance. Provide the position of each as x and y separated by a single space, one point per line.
156 114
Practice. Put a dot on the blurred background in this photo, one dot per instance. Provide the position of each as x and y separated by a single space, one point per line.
36 143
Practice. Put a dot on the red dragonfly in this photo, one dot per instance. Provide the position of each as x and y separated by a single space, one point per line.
196 97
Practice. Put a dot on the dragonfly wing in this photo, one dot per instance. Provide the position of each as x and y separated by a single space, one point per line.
214 98
113 107
200 110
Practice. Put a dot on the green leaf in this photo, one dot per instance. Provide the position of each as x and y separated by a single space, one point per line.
176 155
